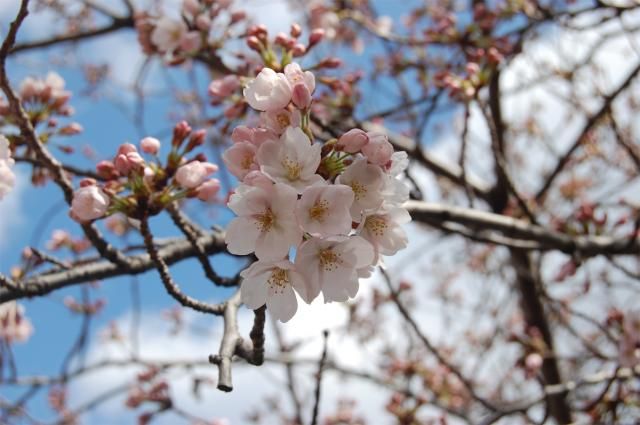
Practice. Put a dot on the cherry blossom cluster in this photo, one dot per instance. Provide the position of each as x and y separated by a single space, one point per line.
317 216
136 187
7 178
43 96
190 35
44 100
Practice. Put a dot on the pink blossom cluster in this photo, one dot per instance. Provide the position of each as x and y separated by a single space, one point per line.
337 205
180 38
14 326
46 96
135 186
7 178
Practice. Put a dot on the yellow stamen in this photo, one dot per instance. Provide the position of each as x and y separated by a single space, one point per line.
329 260
376 225
266 220
279 279
292 168
318 210
359 190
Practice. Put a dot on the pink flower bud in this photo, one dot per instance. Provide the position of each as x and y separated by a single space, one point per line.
125 163
208 190
89 203
254 43
150 145
353 140
281 39
298 50
224 87
203 22
106 170
238 16
301 96
330 63
71 129
316 37
378 150
126 148
193 174
296 30
180 132
197 139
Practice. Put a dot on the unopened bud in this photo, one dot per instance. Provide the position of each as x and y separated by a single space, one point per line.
316 37
296 30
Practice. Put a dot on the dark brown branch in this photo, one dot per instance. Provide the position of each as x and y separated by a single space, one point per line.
170 285
170 253
115 25
182 222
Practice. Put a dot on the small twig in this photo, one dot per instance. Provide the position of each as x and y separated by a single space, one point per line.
321 364
429 346
170 285
188 229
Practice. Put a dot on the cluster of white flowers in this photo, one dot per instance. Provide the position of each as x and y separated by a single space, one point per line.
318 217
7 178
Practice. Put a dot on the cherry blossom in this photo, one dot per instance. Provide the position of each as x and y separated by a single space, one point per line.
14 326
266 222
384 231
378 150
331 265
89 203
224 86
395 191
292 160
168 33
269 91
150 145
323 210
278 121
7 177
273 283
240 159
366 181
208 190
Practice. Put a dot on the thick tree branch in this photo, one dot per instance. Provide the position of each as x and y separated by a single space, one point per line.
170 253
536 237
